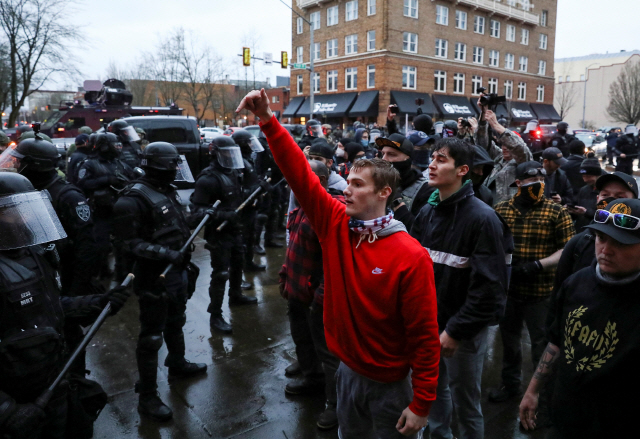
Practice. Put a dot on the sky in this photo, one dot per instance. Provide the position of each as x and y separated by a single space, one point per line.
119 31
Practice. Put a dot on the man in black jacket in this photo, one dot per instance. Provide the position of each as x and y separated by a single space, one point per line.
556 184
469 245
482 167
626 151
572 166
562 139
584 202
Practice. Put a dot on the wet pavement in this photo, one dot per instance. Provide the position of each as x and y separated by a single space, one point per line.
242 394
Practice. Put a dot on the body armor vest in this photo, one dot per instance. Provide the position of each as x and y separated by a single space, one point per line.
250 178
230 187
130 154
409 194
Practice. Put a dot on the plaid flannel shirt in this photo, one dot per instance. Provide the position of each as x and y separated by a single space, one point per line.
543 230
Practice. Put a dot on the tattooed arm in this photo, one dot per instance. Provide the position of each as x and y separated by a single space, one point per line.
541 376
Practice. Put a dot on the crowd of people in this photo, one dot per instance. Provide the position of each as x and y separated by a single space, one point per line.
402 249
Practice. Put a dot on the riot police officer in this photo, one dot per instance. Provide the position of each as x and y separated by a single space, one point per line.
128 137
221 180
143 142
82 149
250 147
150 222
4 141
32 313
626 151
313 130
562 139
101 177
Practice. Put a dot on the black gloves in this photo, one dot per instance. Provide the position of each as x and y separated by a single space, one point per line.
264 184
226 216
24 420
118 297
526 270
113 180
175 257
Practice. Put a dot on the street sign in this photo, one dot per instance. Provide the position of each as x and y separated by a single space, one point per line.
284 59
299 66
268 58
246 56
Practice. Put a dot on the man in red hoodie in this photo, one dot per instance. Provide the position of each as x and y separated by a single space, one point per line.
380 302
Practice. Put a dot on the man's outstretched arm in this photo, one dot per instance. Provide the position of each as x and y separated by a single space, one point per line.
321 208
541 376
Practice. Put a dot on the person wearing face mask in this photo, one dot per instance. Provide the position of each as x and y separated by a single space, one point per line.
556 184
362 137
541 228
421 122
482 167
562 139
413 191
584 202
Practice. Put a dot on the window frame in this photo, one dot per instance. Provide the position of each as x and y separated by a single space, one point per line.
353 45
409 71
445 49
371 4
476 82
542 67
497 28
371 68
543 41
509 61
335 16
332 75
329 49
409 42
544 18
354 11
492 85
315 23
407 5
476 24
442 15
479 55
299 25
522 87
513 29
463 51
508 88
369 40
494 61
523 63
539 92
300 55
316 81
440 78
457 79
459 19
299 85
316 51
351 75
524 37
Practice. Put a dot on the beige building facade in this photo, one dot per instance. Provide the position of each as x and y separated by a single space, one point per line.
370 53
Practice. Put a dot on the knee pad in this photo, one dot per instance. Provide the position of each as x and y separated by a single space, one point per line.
219 276
150 343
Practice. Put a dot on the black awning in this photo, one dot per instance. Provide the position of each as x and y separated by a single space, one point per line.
406 102
294 104
333 105
366 104
453 107
501 111
546 113
521 111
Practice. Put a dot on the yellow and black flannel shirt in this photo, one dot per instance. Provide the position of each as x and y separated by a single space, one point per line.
543 230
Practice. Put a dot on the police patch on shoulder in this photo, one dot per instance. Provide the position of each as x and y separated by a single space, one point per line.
84 212
82 173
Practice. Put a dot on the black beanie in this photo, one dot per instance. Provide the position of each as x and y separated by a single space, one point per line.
423 123
591 166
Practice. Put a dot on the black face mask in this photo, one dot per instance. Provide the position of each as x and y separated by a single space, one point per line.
165 177
403 167
421 156
562 132
531 194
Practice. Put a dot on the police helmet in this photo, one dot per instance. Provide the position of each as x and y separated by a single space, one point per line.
247 141
4 139
12 183
162 156
32 135
562 126
314 128
85 130
228 153
123 130
107 143
34 154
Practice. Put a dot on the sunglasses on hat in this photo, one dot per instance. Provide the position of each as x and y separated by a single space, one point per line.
535 171
621 220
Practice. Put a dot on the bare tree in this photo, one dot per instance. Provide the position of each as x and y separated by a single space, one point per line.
624 95
565 97
38 41
165 70
5 77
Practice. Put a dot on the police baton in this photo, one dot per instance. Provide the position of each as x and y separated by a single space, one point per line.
249 199
191 238
43 399
275 185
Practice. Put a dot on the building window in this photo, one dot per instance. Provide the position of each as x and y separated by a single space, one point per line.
411 8
476 83
494 58
542 68
460 52
351 10
509 60
371 40
461 20
275 99
315 20
316 51
524 63
568 78
316 82
371 7
493 85
332 48
410 42
299 25
543 42
351 78
495 29
511 32
441 48
458 83
442 15
508 89
299 85
351 44
478 24
582 77
371 76
332 80
299 54
332 16
560 79
524 37
544 17
540 93
478 55
409 77
440 77
522 91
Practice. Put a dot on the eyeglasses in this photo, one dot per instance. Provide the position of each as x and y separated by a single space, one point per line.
621 220
536 171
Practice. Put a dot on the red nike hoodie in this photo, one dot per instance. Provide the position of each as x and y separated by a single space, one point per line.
380 312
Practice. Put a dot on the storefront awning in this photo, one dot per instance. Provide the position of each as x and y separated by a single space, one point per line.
294 104
406 102
546 113
333 105
366 104
453 107
521 111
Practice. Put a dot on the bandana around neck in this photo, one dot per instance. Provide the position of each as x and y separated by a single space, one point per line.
369 228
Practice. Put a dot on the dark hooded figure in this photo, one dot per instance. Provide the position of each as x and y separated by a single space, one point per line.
482 167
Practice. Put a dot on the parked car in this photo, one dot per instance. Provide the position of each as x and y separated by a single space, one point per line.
229 131
253 129
212 130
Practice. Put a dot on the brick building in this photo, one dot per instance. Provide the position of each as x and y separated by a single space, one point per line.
370 53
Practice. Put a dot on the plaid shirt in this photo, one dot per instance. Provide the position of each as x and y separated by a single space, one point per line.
302 273
543 230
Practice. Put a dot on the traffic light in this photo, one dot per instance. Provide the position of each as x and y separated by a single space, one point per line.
246 56
284 59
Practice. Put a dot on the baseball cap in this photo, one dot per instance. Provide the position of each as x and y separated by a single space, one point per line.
620 220
622 178
321 148
418 138
527 170
396 141
554 154
81 139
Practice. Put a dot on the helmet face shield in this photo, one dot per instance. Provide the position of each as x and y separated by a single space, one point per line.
184 171
315 130
129 134
255 144
230 157
10 159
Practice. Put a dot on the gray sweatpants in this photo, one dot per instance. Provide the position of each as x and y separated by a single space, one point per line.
369 409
